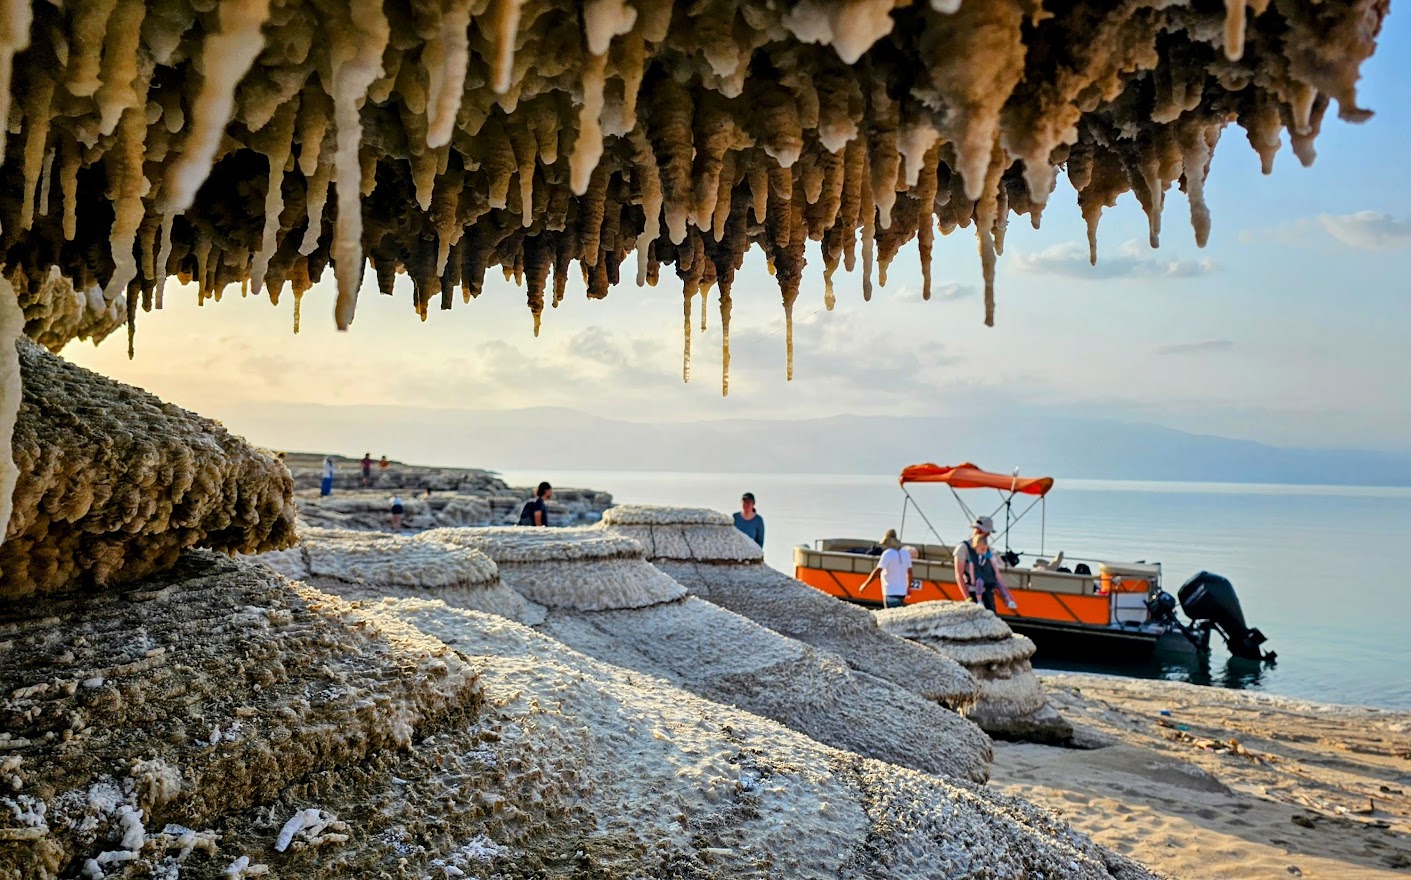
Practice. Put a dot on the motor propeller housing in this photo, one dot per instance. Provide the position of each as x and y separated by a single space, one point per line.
1210 597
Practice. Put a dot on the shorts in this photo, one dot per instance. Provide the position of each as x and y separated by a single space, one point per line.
893 601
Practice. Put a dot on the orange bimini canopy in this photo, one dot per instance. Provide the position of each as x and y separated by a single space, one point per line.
968 476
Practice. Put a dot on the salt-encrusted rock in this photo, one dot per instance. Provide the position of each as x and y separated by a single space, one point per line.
114 484
370 565
1011 702
607 601
682 533
219 718
656 782
56 313
710 557
370 509
577 569
200 692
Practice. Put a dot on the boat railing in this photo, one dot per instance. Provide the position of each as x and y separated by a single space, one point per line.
1104 576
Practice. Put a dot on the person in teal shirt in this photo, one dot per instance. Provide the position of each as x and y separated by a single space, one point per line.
748 519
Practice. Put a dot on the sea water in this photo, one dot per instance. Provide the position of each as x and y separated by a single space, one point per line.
1323 571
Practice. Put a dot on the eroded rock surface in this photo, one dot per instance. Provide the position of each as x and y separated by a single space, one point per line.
702 550
113 484
1011 703
605 600
195 695
366 565
217 719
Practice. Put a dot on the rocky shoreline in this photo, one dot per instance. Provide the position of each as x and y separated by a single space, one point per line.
433 497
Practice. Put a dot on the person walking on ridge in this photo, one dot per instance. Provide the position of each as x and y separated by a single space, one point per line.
367 469
534 512
326 485
397 510
976 569
894 568
749 521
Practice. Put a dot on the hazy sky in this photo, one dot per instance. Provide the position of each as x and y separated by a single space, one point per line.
1290 327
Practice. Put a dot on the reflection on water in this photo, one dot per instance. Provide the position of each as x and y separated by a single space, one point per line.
1233 672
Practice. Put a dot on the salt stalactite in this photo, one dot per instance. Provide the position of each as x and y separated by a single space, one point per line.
16 16
447 57
462 135
1234 28
355 68
588 149
278 135
225 57
504 26
11 330
121 58
36 110
725 306
126 186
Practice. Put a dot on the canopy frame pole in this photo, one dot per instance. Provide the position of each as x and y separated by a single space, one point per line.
970 514
921 513
1023 513
904 505
1043 523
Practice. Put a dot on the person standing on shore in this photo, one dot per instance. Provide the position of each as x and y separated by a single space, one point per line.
534 512
749 521
976 569
397 509
367 469
326 485
894 568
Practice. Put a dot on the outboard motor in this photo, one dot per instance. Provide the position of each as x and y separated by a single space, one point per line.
1209 597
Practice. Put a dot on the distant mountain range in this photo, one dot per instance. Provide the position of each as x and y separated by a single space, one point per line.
563 439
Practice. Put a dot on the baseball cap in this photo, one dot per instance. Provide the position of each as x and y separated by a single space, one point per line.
748 496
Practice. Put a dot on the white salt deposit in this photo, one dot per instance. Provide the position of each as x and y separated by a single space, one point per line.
577 569
1011 701
371 565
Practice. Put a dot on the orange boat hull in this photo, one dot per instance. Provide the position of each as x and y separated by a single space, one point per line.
1033 604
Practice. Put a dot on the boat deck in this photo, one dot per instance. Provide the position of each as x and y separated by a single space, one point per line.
1112 600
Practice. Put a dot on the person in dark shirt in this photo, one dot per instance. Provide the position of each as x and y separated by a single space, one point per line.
534 512
748 519
367 468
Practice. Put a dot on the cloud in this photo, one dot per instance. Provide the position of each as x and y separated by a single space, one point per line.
1133 260
1208 346
953 291
1368 230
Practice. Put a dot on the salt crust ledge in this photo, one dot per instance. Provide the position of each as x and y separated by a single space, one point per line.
373 565
438 737
204 691
113 484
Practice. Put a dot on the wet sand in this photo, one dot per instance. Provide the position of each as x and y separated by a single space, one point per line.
1230 784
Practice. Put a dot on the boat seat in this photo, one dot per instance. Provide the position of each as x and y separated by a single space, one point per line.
1049 564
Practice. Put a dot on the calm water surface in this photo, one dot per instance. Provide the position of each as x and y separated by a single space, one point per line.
1322 570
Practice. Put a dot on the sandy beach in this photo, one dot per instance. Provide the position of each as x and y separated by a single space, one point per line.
1229 784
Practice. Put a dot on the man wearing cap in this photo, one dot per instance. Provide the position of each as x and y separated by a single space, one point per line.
894 568
749 521
976 569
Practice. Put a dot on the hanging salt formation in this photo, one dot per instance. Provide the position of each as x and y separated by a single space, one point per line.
202 139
